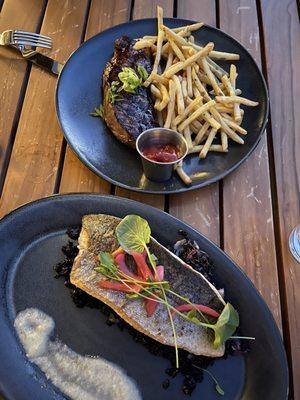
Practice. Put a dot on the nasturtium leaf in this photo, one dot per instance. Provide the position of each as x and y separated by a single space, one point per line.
133 233
225 326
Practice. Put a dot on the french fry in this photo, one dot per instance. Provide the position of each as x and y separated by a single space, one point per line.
220 55
155 91
196 92
189 109
159 78
182 174
160 38
164 96
196 114
179 96
144 43
214 147
236 99
203 78
224 141
171 104
184 87
235 126
176 50
237 92
225 127
182 91
211 76
150 37
212 122
200 86
183 64
169 60
208 143
197 124
236 107
227 85
189 28
218 71
224 109
201 133
172 120
189 81
160 119
188 137
199 175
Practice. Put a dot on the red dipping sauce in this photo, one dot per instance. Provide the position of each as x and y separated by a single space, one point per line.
162 153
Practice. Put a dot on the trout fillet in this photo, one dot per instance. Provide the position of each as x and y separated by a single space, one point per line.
98 234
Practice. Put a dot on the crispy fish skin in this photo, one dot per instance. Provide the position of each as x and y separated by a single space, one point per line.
98 234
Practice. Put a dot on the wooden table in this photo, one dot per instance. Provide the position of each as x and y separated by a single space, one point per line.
250 213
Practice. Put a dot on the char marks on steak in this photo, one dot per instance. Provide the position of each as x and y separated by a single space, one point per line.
129 117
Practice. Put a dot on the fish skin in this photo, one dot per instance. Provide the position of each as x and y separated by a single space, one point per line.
98 234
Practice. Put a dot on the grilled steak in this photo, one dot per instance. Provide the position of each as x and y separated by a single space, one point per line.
133 113
98 234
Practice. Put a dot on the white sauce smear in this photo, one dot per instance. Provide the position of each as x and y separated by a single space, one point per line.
82 378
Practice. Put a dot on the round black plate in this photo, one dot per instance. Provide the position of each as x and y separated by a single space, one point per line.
79 92
30 244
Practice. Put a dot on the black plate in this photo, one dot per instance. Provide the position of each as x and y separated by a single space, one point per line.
30 244
79 92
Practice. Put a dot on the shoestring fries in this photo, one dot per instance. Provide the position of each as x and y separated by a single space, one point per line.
192 93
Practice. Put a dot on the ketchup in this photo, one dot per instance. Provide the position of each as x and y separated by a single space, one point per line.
162 153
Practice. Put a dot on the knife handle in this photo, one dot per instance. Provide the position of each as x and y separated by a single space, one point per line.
47 63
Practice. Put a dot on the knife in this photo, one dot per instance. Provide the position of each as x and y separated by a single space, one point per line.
39 59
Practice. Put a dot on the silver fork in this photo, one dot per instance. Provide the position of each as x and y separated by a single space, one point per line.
20 39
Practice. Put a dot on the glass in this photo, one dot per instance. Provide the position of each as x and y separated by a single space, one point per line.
294 243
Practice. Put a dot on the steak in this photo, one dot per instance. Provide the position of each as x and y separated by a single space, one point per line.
133 113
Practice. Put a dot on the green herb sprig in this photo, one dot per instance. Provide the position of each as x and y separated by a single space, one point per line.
131 79
98 112
113 92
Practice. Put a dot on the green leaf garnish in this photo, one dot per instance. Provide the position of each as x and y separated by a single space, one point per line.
132 296
142 72
133 233
98 112
225 326
113 92
219 389
107 266
217 386
131 81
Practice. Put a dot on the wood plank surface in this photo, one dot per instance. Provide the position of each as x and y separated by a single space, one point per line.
76 177
13 75
147 9
247 206
282 45
199 208
34 160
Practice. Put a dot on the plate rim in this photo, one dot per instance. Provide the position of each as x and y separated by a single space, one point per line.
184 189
85 196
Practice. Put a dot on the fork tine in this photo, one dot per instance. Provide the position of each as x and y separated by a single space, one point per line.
31 37
34 44
31 34
35 40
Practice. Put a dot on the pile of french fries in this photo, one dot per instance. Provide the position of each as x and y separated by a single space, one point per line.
192 94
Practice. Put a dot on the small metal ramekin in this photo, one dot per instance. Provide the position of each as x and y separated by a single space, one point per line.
155 170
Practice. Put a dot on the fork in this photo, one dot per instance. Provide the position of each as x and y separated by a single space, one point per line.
20 39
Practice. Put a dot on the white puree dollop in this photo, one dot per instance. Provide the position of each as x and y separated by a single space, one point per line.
82 378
